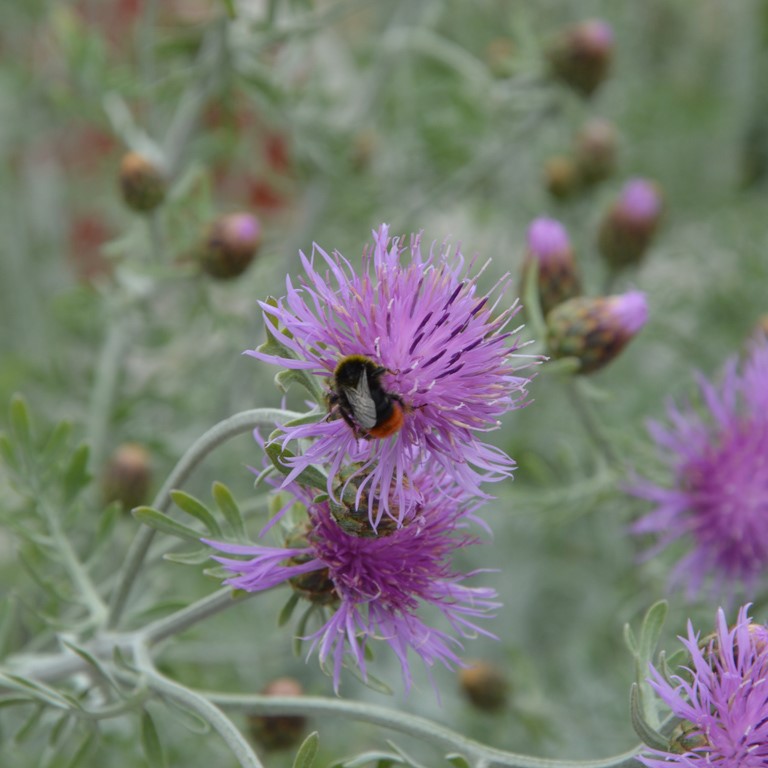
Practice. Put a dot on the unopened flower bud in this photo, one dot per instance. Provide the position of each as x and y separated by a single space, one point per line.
595 330
500 56
275 732
561 176
595 150
581 55
760 330
352 514
550 248
630 224
364 146
127 476
142 182
484 685
230 245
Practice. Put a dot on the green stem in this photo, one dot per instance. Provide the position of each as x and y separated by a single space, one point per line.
76 570
198 703
405 722
591 425
104 387
156 240
186 617
246 421
147 63
212 64
54 667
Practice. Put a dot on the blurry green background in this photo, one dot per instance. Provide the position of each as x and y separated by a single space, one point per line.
326 119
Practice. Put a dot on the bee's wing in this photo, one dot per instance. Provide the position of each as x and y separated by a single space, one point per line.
362 403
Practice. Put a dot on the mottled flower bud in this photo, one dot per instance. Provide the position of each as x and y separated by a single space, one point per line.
550 248
275 732
595 150
484 685
353 515
141 182
127 476
630 224
561 177
581 55
595 330
230 245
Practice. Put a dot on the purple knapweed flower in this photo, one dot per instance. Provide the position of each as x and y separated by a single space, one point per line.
718 502
374 585
722 700
443 354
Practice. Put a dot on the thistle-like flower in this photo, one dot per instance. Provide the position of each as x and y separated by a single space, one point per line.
415 363
374 585
722 699
718 499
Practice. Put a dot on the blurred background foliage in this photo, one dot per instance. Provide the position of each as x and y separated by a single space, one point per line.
324 119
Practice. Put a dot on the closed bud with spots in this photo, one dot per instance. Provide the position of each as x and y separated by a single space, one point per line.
595 150
561 177
581 55
275 732
549 250
595 330
230 245
630 224
127 476
142 182
484 685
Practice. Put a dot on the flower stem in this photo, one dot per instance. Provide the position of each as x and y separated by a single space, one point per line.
198 703
591 425
192 614
246 421
405 722
105 384
77 571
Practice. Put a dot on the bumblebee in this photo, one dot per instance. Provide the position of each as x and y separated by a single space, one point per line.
358 396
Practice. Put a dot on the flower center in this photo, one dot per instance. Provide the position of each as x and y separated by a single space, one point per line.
728 489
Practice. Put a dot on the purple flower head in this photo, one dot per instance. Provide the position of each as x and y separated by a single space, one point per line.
439 354
718 502
374 586
640 200
723 700
548 240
